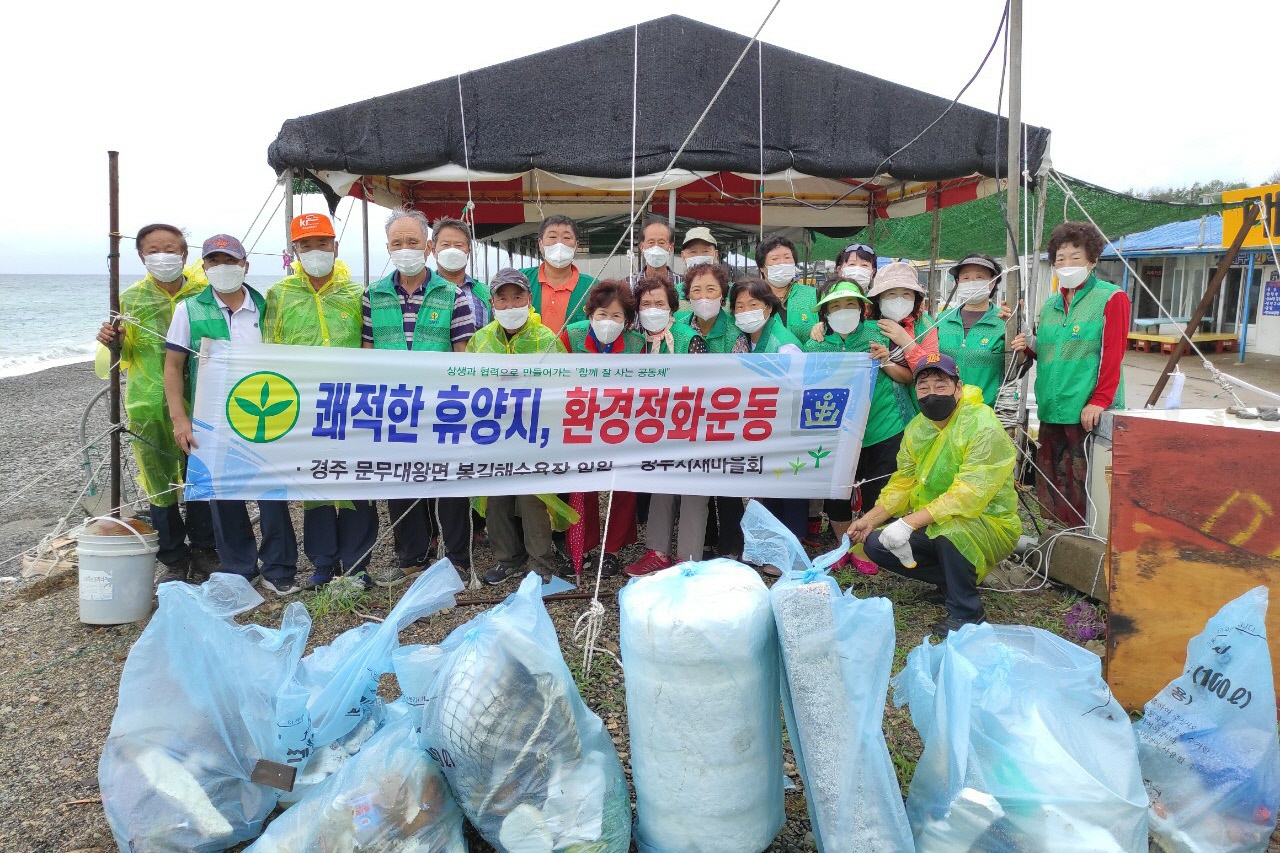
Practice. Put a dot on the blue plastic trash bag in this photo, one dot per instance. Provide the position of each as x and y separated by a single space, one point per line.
837 655
389 797
1207 742
199 706
1025 749
700 654
533 769
341 680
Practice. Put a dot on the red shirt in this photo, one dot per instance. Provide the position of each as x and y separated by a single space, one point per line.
555 297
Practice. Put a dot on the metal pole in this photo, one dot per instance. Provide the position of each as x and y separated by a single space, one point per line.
671 209
113 266
935 232
1250 217
1244 316
1013 159
364 221
288 214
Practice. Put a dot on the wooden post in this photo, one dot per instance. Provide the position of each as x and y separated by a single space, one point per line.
1250 217
113 265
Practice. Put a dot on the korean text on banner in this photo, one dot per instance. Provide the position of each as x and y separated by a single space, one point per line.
311 423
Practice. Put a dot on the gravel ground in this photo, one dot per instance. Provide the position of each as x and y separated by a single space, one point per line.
58 678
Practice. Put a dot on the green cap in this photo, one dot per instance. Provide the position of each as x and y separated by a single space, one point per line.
843 290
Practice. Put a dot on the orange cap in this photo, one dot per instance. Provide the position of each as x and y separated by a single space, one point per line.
310 225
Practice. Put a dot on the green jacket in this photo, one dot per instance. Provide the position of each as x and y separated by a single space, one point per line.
1069 353
980 354
683 336
891 402
774 336
802 309
963 474
722 335
577 334
533 339
206 320
435 316
577 300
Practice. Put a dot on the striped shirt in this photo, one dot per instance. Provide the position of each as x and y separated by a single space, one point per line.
469 311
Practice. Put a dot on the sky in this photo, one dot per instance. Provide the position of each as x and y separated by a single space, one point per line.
191 94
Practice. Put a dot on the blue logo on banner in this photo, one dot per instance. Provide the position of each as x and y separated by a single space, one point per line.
823 408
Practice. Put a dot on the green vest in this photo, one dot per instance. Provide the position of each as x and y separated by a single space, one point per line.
577 300
682 335
430 330
802 309
1069 353
979 354
723 332
206 320
577 334
892 406
774 336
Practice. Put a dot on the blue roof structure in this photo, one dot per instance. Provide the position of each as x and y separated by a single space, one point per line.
1193 236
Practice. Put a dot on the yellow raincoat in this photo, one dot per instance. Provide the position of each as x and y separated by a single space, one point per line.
962 474
142 354
297 313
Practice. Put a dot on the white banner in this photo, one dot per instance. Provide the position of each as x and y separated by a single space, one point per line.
311 423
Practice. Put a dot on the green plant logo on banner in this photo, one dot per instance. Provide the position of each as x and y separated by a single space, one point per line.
263 407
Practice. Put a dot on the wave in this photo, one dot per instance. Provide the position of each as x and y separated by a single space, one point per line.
54 356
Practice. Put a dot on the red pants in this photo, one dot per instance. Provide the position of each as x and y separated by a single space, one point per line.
1060 485
622 522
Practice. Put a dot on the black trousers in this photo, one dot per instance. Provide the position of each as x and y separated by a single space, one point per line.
793 512
174 532
415 525
337 540
238 550
938 562
724 527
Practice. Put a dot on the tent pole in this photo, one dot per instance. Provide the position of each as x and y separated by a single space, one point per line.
671 209
113 265
1013 161
935 231
364 218
288 215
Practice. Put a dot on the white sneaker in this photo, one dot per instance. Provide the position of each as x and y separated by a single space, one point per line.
281 588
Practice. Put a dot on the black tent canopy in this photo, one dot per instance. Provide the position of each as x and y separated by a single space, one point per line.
816 143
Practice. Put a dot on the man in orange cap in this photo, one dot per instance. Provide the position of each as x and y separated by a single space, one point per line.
319 305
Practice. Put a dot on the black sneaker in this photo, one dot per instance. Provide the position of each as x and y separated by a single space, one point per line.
499 573
612 566
204 562
935 595
951 623
179 571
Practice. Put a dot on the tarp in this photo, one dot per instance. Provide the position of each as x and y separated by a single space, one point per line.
551 132
978 226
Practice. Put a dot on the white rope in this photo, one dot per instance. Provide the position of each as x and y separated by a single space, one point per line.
468 212
74 458
635 95
595 612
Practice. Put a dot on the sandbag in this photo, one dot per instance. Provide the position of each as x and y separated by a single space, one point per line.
699 651
837 655
1024 747
532 768
389 798
200 705
1207 742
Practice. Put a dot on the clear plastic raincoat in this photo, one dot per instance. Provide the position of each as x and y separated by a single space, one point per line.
962 474
297 313
149 310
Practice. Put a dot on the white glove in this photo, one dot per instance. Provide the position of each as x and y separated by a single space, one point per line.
897 539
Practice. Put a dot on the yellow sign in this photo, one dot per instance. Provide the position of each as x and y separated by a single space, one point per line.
262 407
1233 219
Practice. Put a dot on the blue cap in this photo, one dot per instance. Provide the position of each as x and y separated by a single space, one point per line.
224 243
937 361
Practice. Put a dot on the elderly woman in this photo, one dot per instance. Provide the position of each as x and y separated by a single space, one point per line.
776 260
1079 347
971 329
706 285
857 263
897 307
611 311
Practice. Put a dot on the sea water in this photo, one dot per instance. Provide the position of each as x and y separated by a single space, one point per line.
47 320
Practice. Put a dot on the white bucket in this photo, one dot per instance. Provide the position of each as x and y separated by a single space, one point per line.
117 575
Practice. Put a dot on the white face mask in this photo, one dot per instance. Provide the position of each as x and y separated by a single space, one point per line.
451 259
558 255
163 266
973 292
655 319
606 331
225 278
705 309
657 257
317 264
689 263
1071 277
844 321
861 275
512 319
897 308
409 261
781 274
750 321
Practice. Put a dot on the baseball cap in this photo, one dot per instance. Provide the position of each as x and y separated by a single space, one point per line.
843 290
699 233
974 261
509 275
224 243
937 361
310 225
